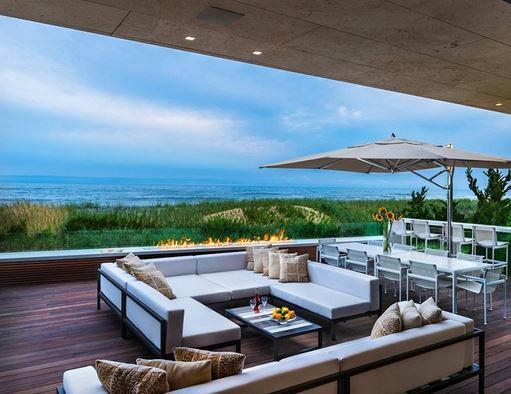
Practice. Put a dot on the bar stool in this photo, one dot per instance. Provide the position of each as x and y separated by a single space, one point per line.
486 237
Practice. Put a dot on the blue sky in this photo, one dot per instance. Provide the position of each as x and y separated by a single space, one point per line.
79 104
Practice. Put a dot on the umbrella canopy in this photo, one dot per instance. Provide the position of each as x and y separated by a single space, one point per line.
400 155
393 155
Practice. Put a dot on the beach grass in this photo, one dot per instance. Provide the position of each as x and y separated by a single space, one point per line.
28 226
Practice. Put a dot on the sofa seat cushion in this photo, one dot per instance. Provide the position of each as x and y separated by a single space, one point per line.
275 376
204 327
117 274
198 288
321 300
241 283
82 381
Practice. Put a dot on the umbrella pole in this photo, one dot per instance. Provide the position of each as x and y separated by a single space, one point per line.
450 198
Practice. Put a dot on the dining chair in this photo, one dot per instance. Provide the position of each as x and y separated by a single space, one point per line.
486 237
332 256
391 268
357 260
321 242
459 238
427 277
486 284
422 231
408 248
399 230
436 252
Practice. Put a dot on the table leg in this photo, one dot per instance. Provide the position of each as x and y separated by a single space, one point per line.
454 294
320 338
275 350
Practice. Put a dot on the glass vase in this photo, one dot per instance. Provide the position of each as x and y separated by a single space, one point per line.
387 246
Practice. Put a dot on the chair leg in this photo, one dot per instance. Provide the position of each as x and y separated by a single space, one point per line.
407 289
505 299
384 286
491 301
484 303
395 290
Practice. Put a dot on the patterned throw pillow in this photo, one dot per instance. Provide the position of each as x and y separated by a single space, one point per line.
129 257
144 268
274 263
430 312
181 374
410 316
120 378
388 323
275 255
223 364
156 280
293 268
250 255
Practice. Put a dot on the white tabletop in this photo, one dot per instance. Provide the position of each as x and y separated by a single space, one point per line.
371 250
444 264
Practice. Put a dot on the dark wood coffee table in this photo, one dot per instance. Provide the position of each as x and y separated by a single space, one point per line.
263 324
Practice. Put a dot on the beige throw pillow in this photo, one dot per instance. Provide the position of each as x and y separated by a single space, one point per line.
181 374
250 255
260 256
410 316
120 378
144 268
388 323
430 312
274 266
275 255
294 268
156 280
223 364
128 258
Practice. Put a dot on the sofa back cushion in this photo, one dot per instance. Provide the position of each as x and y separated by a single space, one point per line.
275 376
346 281
219 262
181 374
174 266
223 364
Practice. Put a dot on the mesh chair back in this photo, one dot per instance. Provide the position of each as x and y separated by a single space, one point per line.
421 227
470 257
458 233
403 247
437 252
375 243
423 269
494 274
399 227
330 252
357 255
486 235
391 263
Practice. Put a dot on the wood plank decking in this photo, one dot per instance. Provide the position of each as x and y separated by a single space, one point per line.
49 328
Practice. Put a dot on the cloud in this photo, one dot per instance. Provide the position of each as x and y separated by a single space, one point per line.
323 117
129 121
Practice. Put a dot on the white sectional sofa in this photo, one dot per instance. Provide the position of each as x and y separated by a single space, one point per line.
420 359
332 294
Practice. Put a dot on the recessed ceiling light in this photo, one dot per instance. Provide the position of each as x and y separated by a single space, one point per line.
257 53
190 38
498 104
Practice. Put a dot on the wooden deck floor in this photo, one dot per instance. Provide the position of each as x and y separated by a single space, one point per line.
47 329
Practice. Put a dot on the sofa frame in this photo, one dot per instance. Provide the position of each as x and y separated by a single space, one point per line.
127 324
343 378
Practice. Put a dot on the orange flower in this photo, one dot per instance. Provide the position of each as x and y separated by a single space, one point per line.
382 211
379 217
374 216
391 215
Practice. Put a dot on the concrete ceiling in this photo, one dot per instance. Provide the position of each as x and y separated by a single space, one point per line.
451 50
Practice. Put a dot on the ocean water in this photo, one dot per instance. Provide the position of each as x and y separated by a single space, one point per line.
135 192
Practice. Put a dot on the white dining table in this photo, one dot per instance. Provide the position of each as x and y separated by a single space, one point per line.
447 265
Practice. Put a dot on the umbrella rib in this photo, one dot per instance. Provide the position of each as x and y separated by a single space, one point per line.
373 164
430 180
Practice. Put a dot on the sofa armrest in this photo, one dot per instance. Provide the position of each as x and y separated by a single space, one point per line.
346 281
153 314
82 381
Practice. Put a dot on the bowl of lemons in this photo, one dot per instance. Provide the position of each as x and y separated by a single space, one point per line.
283 315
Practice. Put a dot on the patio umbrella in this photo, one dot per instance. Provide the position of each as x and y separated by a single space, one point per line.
400 155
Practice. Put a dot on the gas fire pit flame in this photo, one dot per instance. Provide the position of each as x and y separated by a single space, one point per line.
187 242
